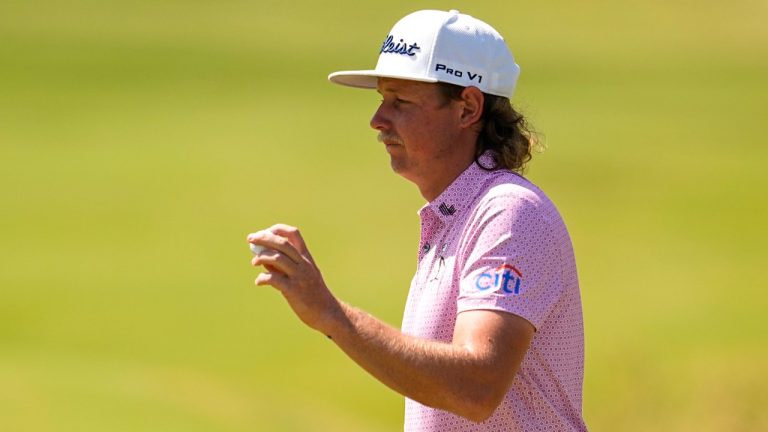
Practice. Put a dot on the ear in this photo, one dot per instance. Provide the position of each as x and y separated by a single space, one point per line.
472 111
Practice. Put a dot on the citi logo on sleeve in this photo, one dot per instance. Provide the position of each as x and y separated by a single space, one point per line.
505 278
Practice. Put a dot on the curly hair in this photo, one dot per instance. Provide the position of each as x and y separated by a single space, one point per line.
505 132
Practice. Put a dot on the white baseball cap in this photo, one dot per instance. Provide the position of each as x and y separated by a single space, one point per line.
438 46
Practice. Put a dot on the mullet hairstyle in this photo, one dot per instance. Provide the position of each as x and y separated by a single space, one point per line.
505 133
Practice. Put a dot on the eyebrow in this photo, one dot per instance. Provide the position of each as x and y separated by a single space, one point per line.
386 89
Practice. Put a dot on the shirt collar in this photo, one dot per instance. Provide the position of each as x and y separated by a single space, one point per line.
460 194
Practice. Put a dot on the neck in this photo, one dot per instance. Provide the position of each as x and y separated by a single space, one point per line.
432 189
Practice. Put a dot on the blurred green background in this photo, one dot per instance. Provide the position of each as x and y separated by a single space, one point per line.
140 141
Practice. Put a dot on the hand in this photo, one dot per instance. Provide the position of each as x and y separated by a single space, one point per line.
291 269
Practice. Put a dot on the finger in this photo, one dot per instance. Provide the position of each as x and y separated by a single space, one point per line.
267 266
275 242
275 280
274 260
291 233
294 237
256 249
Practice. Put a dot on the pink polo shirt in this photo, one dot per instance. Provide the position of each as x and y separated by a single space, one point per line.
494 241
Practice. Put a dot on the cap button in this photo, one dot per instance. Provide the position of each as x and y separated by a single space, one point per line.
454 11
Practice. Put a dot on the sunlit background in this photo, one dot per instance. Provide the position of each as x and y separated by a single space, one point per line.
140 141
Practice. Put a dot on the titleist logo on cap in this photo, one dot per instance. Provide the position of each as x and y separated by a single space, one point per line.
390 47
437 46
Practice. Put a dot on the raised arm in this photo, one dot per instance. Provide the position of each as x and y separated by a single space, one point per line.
468 377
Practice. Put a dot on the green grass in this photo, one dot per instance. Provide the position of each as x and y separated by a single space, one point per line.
141 141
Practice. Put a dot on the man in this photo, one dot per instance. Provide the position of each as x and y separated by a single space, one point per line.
492 335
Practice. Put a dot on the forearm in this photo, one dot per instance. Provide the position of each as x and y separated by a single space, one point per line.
440 375
468 376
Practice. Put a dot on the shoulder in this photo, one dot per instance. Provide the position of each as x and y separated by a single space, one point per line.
512 193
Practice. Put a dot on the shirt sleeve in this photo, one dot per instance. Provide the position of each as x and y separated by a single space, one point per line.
509 260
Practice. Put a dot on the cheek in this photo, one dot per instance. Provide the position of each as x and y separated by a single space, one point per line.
434 134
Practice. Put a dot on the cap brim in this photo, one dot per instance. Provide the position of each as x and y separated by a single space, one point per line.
368 79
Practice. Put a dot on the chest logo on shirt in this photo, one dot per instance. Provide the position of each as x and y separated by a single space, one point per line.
445 210
504 278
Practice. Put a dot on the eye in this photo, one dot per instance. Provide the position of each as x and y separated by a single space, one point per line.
394 101
399 102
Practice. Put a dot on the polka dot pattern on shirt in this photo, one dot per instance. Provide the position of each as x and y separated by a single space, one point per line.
494 241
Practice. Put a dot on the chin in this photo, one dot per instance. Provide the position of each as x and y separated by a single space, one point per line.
401 169
396 165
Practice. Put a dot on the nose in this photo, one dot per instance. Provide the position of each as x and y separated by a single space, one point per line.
379 120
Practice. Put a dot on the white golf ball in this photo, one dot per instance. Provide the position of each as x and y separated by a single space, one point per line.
256 249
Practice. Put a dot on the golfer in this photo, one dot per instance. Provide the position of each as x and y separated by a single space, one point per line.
492 334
